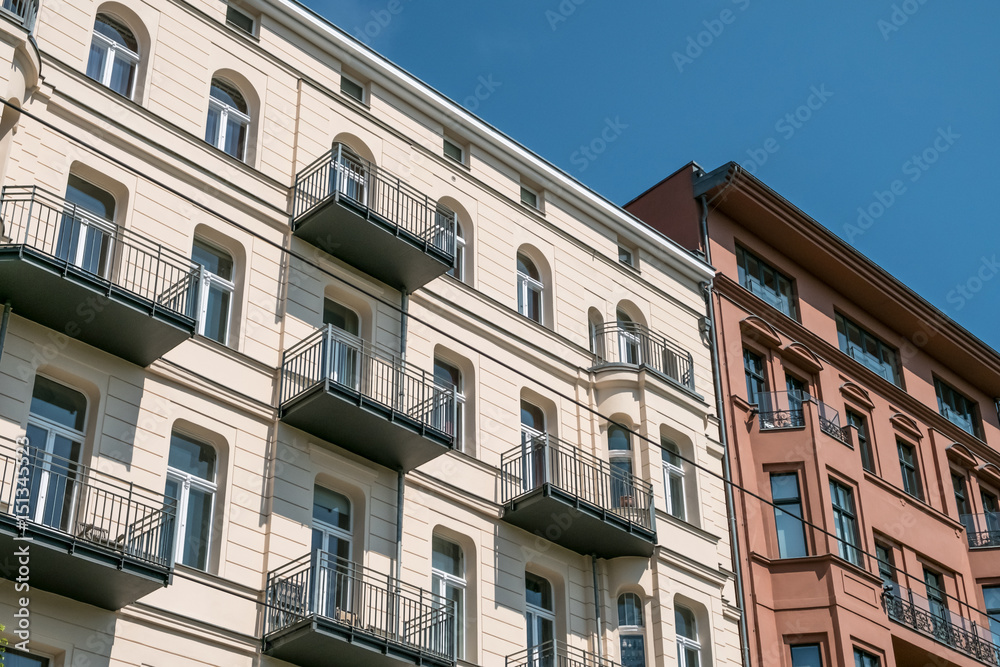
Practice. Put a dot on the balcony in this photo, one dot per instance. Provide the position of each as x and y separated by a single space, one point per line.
363 398
367 217
983 530
631 344
90 537
557 491
91 280
556 654
324 610
786 410
22 12
968 634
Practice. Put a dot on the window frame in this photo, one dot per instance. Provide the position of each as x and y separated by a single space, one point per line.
230 7
673 472
811 645
684 643
909 470
765 293
446 142
992 614
442 581
863 658
225 111
208 280
526 284
886 566
946 408
861 355
860 424
535 613
112 50
362 98
778 506
758 376
459 393
628 630
847 524
186 481
534 195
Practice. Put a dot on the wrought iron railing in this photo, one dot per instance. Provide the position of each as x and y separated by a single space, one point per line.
829 422
322 585
983 529
356 366
545 460
342 174
24 12
83 243
86 505
635 345
782 409
556 654
969 634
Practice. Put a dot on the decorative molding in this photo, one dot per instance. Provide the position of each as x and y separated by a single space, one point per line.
760 331
803 356
906 425
856 393
960 455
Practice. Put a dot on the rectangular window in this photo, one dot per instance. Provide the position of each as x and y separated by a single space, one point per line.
807 655
240 20
908 468
958 409
215 291
448 582
961 495
673 479
14 658
352 88
753 365
865 659
936 602
767 282
448 377
454 151
860 424
529 197
845 521
788 515
886 567
991 595
865 348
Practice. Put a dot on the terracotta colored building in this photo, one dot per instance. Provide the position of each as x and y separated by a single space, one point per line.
862 423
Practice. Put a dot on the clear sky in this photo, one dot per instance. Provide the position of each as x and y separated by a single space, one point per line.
890 106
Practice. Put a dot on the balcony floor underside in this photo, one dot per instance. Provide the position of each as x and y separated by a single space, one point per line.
364 240
349 420
82 306
578 525
315 642
77 569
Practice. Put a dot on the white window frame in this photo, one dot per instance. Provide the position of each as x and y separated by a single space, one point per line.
458 270
534 193
633 630
52 430
626 455
225 111
670 473
533 615
113 50
684 643
526 283
461 150
441 582
206 281
253 21
459 393
364 89
186 482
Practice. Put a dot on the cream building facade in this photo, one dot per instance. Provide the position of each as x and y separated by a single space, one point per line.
305 364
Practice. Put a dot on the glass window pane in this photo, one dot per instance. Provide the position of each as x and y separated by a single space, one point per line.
633 651
14 658
90 198
538 592
228 94
122 74
446 374
618 439
236 138
677 497
116 31
532 417
96 60
192 457
213 126
215 261
447 557
194 552
331 508
216 324
58 403
807 655
685 623
341 317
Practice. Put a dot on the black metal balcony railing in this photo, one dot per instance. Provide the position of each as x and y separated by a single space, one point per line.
971 636
983 530
635 345
43 224
829 423
556 654
786 409
545 460
23 11
86 506
343 174
322 586
354 365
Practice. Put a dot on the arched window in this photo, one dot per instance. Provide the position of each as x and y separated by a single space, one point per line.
215 292
87 228
529 289
620 458
56 422
114 55
540 615
458 270
190 492
673 479
631 631
595 332
332 538
347 347
448 577
688 644
629 349
228 119
448 376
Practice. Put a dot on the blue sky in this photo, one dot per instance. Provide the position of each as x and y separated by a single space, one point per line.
904 119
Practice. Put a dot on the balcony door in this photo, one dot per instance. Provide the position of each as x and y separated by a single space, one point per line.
540 617
629 349
86 231
346 345
350 174
55 434
798 394
532 449
333 571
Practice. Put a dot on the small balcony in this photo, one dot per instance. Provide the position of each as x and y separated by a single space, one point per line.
786 410
577 501
983 530
363 398
325 610
350 208
22 12
92 280
556 654
631 344
90 537
968 633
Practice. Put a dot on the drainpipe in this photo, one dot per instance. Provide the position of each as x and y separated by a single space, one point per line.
3 326
400 481
597 611
721 410
404 316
